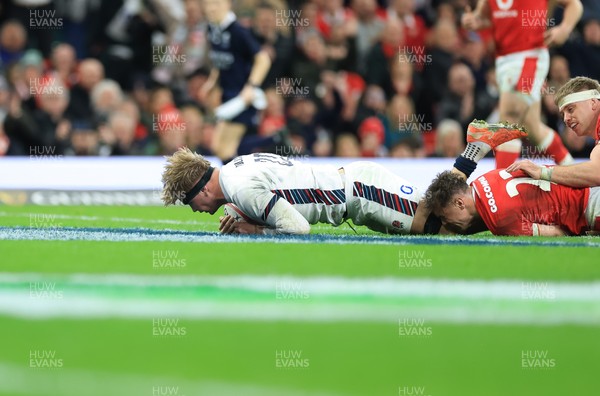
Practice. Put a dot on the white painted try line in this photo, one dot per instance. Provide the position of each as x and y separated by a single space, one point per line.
445 301
53 216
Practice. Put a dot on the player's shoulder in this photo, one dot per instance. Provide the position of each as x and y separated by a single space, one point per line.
237 28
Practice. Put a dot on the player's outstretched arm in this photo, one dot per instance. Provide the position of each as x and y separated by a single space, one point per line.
548 230
585 174
260 68
557 35
284 219
276 216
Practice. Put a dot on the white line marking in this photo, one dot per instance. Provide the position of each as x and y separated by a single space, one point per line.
330 285
328 299
115 219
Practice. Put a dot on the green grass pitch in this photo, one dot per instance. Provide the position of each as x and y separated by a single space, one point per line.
315 316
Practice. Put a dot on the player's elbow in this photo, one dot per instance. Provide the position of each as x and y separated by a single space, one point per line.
263 58
300 229
292 226
305 229
595 179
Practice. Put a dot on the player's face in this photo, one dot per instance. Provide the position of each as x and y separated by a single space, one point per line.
203 202
216 10
581 117
455 216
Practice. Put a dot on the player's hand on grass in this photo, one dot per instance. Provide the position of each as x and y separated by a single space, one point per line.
227 224
243 227
556 36
534 171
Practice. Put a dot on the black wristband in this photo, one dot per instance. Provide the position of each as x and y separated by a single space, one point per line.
465 165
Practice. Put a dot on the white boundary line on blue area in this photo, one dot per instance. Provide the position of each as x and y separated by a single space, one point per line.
325 299
143 234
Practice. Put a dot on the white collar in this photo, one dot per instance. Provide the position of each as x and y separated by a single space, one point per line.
228 20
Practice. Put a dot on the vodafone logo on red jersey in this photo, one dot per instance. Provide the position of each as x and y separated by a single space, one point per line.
487 190
504 9
504 4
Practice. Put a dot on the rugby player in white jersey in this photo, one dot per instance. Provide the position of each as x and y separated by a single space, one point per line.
282 196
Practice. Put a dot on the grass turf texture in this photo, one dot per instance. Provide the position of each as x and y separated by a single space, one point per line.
121 356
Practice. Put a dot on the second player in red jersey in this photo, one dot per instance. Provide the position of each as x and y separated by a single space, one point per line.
510 204
521 31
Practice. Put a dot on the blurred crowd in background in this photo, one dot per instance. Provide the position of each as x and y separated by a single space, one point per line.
353 78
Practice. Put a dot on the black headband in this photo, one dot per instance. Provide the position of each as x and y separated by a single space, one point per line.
199 186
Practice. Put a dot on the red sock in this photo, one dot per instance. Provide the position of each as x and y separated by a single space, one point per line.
557 149
505 158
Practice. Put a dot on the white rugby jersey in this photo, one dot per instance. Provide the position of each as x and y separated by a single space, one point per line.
266 186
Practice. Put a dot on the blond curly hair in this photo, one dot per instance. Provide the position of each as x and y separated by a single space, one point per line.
182 172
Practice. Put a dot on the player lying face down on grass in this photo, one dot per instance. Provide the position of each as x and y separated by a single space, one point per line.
282 196
513 204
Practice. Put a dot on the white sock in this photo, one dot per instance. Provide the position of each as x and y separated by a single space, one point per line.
476 151
568 160
547 141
